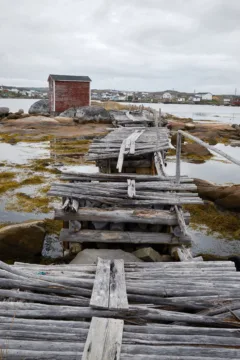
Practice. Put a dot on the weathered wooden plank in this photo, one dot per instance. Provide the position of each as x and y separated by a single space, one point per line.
75 176
181 220
209 147
125 237
131 188
121 156
178 157
184 254
118 295
146 201
104 340
100 292
143 216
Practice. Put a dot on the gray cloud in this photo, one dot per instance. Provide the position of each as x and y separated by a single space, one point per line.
135 44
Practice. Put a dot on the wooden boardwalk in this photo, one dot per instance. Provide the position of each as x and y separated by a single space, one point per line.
182 310
112 310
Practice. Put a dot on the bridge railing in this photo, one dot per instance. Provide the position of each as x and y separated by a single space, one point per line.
181 133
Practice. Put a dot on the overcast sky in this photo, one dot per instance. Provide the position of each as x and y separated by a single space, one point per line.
123 44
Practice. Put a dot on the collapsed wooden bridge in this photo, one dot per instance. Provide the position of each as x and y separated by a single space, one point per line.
116 310
131 200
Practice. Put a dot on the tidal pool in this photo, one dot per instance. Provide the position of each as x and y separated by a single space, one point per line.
22 152
208 245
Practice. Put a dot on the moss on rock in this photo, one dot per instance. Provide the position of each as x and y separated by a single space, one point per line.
208 217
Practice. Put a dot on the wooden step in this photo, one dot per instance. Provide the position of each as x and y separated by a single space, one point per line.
141 216
80 176
125 237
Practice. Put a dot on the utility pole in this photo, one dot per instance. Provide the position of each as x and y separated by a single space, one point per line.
235 92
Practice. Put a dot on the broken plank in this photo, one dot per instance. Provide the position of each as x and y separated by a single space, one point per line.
131 188
104 340
100 292
121 156
118 294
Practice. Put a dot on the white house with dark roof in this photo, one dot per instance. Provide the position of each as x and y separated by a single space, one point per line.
205 96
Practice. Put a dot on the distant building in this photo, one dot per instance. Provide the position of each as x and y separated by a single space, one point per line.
181 100
205 96
67 91
167 96
226 101
195 99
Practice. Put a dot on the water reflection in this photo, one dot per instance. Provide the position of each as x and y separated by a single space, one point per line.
211 170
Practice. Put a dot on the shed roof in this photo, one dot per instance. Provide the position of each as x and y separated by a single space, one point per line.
69 78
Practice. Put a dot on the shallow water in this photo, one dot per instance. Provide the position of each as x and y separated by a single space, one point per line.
218 169
224 114
210 245
88 169
22 152
16 104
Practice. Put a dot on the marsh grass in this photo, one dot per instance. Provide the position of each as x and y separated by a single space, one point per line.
22 202
209 218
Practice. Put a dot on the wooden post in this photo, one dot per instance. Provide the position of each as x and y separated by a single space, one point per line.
160 118
178 157
65 226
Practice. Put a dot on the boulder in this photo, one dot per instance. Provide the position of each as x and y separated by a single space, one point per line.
22 241
40 107
20 111
228 196
147 254
190 126
4 111
195 149
69 113
90 256
88 113
52 247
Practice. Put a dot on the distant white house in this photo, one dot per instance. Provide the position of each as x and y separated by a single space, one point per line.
195 98
181 100
226 101
167 96
205 96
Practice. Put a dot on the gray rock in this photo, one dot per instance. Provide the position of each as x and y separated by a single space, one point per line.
70 113
20 111
22 241
147 254
88 113
89 256
52 247
4 111
40 107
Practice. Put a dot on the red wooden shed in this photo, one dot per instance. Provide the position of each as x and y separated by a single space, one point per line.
66 91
